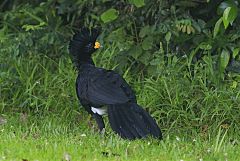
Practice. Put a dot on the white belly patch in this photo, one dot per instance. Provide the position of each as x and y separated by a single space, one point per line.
100 111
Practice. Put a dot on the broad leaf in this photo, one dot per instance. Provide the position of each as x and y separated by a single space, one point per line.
236 52
147 43
135 51
230 13
137 3
168 36
226 4
144 31
233 14
205 46
225 17
224 59
145 58
109 15
217 27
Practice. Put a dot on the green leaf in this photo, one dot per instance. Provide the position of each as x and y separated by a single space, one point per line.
236 52
145 58
205 46
168 36
224 59
147 43
232 14
28 27
155 61
229 15
225 17
137 3
234 84
135 51
109 15
225 4
144 31
217 27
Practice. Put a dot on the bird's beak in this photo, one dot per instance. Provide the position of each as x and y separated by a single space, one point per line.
97 45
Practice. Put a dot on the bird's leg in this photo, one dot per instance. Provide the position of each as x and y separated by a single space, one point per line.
100 122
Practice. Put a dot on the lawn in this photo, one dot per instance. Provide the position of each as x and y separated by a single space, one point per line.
33 137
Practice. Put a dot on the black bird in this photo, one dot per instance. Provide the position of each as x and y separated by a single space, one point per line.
98 88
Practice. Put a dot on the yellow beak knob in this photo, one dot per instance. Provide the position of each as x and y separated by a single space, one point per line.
97 45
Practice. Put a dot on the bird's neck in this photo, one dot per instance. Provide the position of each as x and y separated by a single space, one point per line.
83 62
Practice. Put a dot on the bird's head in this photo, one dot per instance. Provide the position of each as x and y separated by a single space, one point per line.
84 43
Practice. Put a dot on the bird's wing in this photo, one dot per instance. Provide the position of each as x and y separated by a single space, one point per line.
106 87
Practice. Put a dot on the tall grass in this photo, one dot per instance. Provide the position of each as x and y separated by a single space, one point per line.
181 103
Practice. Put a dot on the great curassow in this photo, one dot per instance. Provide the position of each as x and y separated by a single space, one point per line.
102 91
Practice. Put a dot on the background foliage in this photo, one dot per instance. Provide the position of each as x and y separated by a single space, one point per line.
146 33
184 55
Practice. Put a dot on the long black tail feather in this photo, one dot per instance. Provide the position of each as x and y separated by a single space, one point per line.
130 121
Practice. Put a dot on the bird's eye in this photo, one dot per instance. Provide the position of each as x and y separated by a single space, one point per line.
89 45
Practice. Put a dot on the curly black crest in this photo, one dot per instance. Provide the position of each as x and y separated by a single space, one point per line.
82 44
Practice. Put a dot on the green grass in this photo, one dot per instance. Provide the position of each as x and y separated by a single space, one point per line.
44 121
52 137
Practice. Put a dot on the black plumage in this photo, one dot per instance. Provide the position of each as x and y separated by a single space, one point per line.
98 87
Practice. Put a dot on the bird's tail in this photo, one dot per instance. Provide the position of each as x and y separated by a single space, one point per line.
131 121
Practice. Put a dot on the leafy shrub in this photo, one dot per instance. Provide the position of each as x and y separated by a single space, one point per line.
145 32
